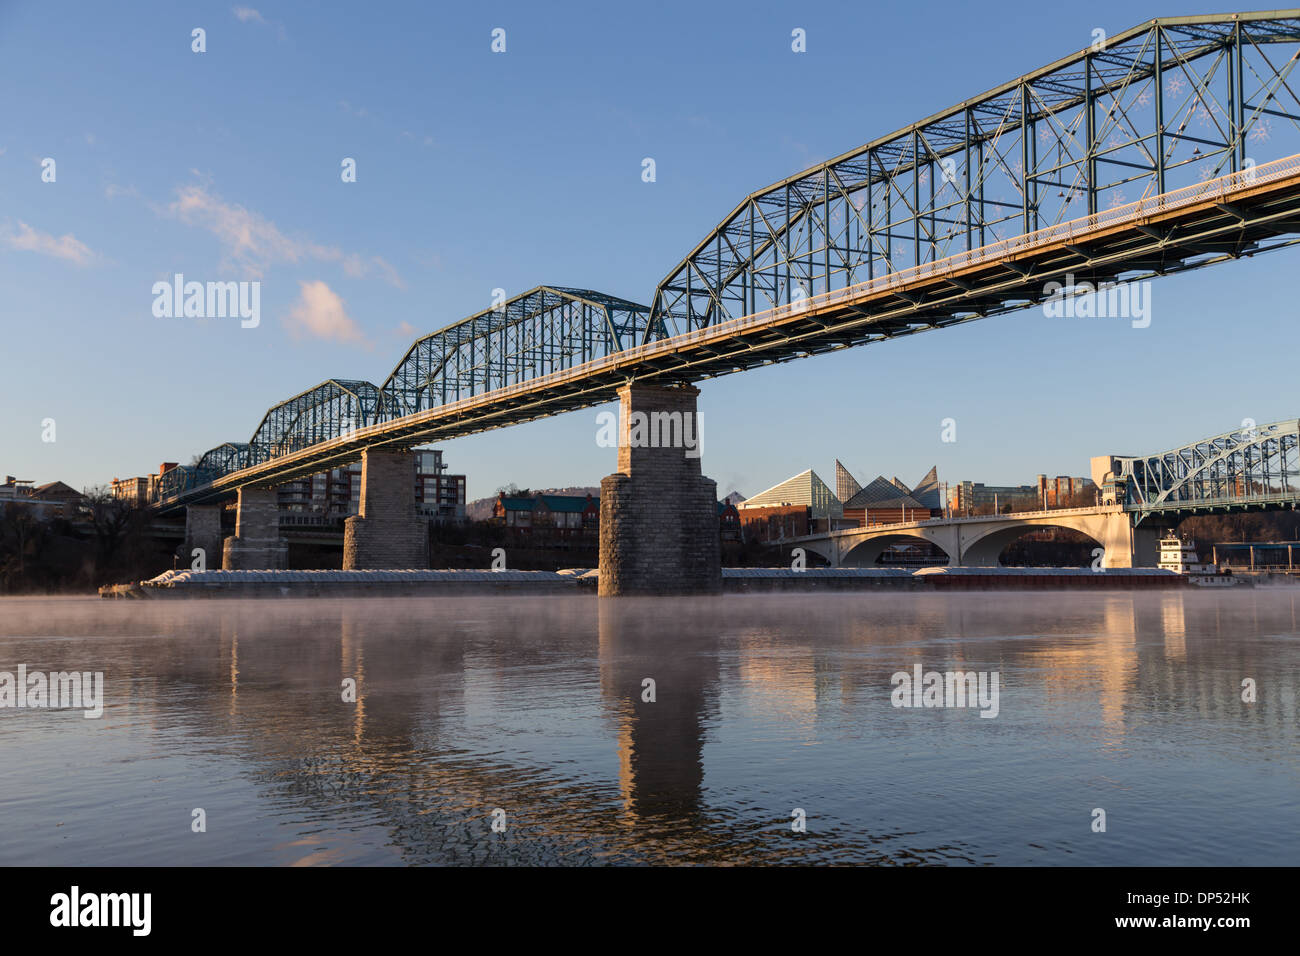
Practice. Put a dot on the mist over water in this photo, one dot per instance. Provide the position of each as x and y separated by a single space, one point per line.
1130 702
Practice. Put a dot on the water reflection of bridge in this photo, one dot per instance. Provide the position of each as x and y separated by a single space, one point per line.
541 713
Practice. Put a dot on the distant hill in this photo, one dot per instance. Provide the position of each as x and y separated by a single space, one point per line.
481 508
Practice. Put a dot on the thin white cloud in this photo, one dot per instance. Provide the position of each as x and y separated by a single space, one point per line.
359 267
430 260
425 140
67 247
252 243
408 134
354 267
387 272
251 15
319 313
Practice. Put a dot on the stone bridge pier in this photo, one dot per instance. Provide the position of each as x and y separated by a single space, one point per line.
203 530
387 532
658 513
256 544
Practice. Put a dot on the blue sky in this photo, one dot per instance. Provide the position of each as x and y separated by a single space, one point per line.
478 170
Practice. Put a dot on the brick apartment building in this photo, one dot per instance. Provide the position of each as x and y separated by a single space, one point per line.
336 494
1062 491
329 497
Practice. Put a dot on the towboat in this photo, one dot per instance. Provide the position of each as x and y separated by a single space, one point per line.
1179 555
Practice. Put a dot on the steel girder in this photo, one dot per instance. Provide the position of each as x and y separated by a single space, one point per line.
332 409
225 458
547 329
1255 462
215 462
1158 107
178 480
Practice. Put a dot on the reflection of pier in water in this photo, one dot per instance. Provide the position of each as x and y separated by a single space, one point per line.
396 759
418 755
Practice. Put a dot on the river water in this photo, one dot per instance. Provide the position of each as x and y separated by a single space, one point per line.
532 714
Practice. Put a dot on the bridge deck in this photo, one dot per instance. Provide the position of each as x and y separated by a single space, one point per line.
1015 516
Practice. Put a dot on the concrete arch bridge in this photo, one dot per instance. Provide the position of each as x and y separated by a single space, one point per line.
976 542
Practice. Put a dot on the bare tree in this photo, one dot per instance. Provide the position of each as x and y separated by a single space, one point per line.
112 518
21 531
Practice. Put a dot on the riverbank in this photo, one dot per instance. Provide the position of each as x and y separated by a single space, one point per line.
738 580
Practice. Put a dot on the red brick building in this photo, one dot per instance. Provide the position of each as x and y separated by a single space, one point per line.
890 502
775 522
728 521
549 516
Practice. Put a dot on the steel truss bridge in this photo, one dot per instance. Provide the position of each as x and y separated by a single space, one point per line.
1252 468
1171 146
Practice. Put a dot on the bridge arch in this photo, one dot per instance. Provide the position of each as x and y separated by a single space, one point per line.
333 408
867 552
1253 461
823 549
1020 158
543 330
984 550
225 458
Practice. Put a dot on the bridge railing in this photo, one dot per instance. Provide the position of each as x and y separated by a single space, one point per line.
972 519
1225 502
